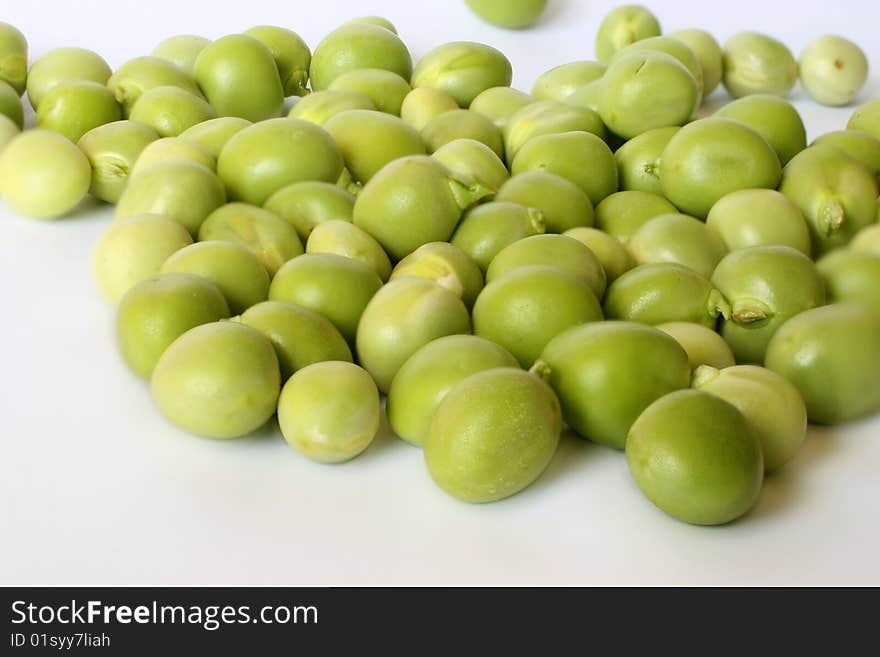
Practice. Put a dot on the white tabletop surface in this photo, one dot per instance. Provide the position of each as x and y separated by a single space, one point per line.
96 487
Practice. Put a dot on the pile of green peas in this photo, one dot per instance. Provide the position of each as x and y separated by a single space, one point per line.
498 264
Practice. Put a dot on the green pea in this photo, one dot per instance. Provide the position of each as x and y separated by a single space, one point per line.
43 175
758 217
765 285
463 69
623 26
258 161
291 54
301 337
423 104
831 355
859 145
13 57
412 201
320 107
774 118
487 229
579 157
74 108
378 21
172 149
680 239
447 265
493 435
218 380
509 14
758 64
696 457
589 96
547 117
867 240
385 89
181 50
866 118
157 310
837 195
833 70
337 287
612 255
354 46
8 131
851 276
703 345
563 204
134 249
430 373
708 54
368 140
65 65
638 160
498 104
213 134
710 158
673 47
306 204
112 150
561 81
406 314
171 110
10 105
141 74
473 160
462 124
622 214
665 292
598 372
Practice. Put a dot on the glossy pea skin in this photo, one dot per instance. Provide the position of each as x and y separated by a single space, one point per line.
606 373
664 292
561 81
385 89
759 217
563 204
712 157
13 57
612 255
171 110
172 149
463 69
758 64
498 104
354 46
43 175
344 238
859 145
73 108
837 195
703 345
867 240
696 458
430 373
524 308
851 276
580 157
866 117
680 239
622 26
306 204
772 117
423 104
157 310
406 314
587 96
378 21
258 161
765 285
140 74
218 380
487 229
213 134
337 287
708 54
509 14
672 47
368 140
622 214
10 105
462 124
134 249
833 70
112 150
8 131
547 117
182 50
447 265
64 65
291 54
831 355
471 159
638 160
321 106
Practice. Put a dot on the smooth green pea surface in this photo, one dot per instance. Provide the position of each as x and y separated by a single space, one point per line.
867 118
759 217
851 276
291 54
463 69
10 104
8 131
867 240
13 57
112 150
623 213
498 104
354 46
447 265
344 238
612 255
561 81
673 47
423 104
171 110
587 96
74 108
320 107
774 118
473 160
680 239
510 14
547 117
859 145
563 204
385 89
213 134
141 74
182 50
758 64
703 345
306 204
708 54
64 65
833 70
172 149
462 124
622 26
487 229
379 21
638 160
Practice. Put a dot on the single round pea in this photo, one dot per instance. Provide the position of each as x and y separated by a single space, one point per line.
368 140
344 238
74 108
182 50
157 310
561 81
13 57
337 287
258 161
563 204
623 26
172 149
638 160
831 355
134 249
493 434
772 117
213 134
710 158
406 314
547 117
509 14
837 195
413 201
696 457
758 64
470 159
10 104
355 46
385 89
462 124
866 118
378 21
680 239
867 240
833 70
598 372
306 204
430 373
463 69
141 74
291 54
64 65
612 255
708 54
703 345
758 217
622 214
43 175
218 380
859 145
664 292
423 104
112 150
580 157
498 104
673 47
8 131
447 265
321 106
171 110
765 285
851 276
487 229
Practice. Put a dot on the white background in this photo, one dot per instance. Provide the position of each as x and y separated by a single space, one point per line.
97 488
